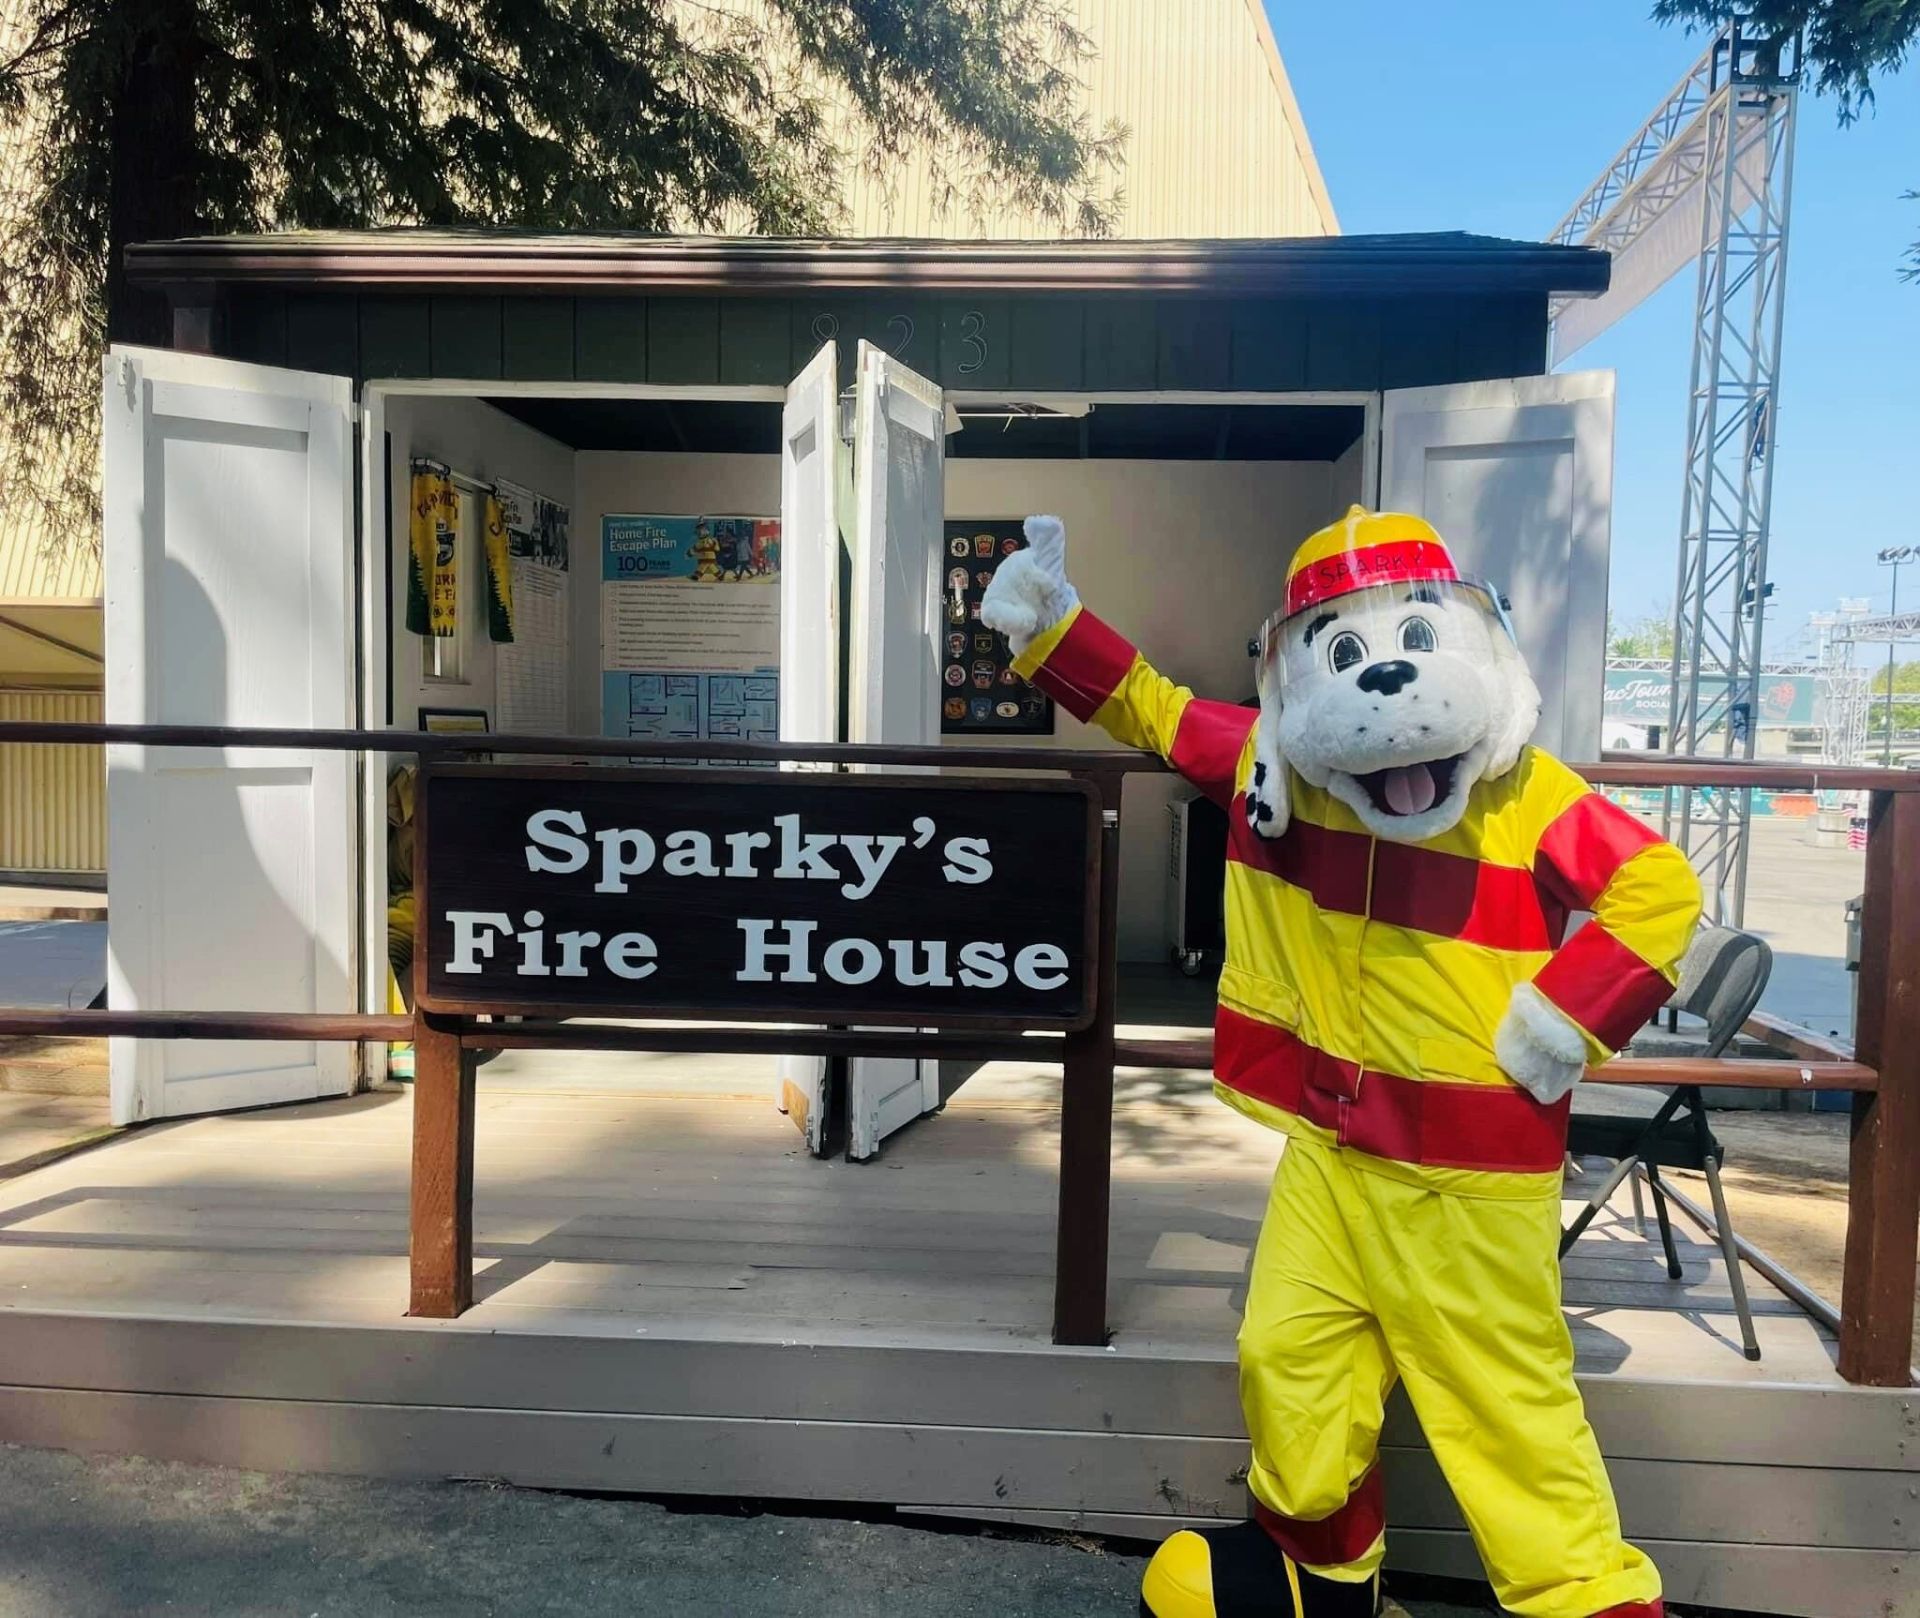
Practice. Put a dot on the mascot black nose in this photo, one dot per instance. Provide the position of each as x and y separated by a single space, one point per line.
1384 679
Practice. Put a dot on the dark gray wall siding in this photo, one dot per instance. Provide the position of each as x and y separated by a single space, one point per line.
1045 343
466 336
536 339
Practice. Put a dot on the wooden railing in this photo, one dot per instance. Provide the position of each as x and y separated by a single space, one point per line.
1882 1072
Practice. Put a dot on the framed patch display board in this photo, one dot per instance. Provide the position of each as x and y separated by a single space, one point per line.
980 693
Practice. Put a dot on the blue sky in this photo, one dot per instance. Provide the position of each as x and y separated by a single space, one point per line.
1494 117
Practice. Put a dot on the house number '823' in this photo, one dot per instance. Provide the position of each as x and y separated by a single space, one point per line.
973 336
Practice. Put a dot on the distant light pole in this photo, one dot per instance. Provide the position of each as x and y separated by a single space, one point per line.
1892 557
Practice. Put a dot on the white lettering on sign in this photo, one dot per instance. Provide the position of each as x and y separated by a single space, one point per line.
783 952
967 860
558 845
473 932
608 860
804 854
872 855
631 955
550 829
689 853
623 853
793 952
983 966
1041 966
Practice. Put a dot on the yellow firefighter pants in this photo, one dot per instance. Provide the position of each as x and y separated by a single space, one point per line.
1359 1279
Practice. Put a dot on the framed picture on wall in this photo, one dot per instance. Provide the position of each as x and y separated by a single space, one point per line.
980 694
457 722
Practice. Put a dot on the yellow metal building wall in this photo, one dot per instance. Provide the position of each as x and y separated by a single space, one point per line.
53 800
1215 143
29 565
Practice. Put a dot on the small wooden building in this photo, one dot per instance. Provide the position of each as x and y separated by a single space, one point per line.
1191 409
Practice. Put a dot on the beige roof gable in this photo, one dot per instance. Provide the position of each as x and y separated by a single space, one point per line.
1216 143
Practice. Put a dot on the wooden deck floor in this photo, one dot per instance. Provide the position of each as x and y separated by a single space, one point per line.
672 1297
606 1212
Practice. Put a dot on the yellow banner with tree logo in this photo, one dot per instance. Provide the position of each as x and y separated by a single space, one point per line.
433 566
499 572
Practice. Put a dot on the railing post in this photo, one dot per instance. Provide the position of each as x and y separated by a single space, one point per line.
440 1232
1883 1194
1086 1119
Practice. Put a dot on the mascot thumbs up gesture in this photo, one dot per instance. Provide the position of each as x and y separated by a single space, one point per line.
1397 1001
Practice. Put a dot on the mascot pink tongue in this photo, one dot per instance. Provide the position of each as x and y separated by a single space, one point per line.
1397 1002
1409 789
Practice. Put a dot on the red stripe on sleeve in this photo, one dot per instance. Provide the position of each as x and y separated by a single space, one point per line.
1588 841
1603 986
1208 744
1086 667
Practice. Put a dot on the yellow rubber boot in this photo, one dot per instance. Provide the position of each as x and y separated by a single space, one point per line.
1179 1579
1239 1572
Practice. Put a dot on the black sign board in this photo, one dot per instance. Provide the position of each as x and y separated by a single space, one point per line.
979 691
757 896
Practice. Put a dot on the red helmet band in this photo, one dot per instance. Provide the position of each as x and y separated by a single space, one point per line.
1405 561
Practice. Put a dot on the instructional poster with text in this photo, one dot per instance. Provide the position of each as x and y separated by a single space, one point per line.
690 628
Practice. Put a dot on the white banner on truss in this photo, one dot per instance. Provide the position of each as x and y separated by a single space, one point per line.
1658 251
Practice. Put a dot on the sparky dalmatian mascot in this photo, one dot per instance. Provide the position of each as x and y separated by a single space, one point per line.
1397 1001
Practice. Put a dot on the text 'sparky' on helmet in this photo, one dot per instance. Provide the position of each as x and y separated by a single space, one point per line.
1382 556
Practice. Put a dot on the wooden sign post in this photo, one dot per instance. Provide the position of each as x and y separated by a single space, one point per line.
830 901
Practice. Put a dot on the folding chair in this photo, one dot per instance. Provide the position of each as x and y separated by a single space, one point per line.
1722 978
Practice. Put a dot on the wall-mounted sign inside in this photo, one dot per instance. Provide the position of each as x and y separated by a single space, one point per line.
759 896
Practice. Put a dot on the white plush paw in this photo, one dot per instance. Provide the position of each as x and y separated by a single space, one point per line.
1047 545
1029 591
1018 600
1268 807
1539 1045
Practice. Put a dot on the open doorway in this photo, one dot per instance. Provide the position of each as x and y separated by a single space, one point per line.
1181 514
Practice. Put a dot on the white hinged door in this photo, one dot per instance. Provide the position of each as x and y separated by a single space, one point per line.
809 631
227 552
1517 475
893 654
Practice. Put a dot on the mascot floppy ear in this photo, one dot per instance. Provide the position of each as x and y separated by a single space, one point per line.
1516 716
1269 805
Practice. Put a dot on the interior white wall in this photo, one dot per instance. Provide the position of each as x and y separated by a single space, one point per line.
483 443
1184 558
663 485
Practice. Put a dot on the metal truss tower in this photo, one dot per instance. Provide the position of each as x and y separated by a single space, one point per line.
1843 687
1720 145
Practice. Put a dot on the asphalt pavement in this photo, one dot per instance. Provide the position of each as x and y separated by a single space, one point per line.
87 1537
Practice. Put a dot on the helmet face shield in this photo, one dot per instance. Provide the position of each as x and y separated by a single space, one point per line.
1386 622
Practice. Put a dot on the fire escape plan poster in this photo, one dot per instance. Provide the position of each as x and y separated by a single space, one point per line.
690 628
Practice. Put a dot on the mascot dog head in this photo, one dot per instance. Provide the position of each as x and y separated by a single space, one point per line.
1388 680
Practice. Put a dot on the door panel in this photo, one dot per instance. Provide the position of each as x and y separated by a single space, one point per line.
1518 477
894 651
228 570
899 508
809 631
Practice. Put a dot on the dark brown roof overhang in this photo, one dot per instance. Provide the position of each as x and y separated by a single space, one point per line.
502 261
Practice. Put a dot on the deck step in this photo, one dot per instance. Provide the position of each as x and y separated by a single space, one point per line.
53 1065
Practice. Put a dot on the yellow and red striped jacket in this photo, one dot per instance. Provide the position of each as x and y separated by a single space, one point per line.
1364 978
